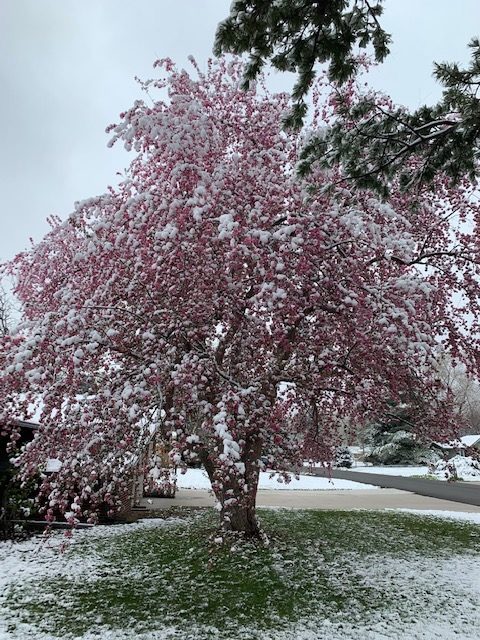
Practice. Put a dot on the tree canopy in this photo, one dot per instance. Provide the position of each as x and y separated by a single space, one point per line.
215 298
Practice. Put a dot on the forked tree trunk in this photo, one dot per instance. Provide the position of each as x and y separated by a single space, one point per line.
237 510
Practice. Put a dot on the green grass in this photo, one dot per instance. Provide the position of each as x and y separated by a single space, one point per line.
318 566
425 476
429 476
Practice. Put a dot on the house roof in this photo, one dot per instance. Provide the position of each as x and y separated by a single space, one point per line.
26 424
452 444
470 440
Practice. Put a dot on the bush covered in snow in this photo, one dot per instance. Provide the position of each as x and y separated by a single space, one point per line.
457 468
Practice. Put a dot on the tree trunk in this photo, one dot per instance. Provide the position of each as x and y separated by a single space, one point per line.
237 505
241 518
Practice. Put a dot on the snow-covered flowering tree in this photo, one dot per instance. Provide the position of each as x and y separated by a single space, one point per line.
215 298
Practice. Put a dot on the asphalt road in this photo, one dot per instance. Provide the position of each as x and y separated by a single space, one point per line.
466 492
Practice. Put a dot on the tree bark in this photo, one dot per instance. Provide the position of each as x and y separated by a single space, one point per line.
237 505
241 518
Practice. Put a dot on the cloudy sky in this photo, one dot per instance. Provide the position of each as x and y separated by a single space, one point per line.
67 69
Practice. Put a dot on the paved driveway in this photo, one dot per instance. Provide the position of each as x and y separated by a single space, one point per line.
351 499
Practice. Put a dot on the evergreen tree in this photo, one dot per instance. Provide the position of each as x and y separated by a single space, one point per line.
373 140
394 440
296 34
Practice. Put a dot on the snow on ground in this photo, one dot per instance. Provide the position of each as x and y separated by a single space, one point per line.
198 479
432 596
41 558
394 471
467 469
391 470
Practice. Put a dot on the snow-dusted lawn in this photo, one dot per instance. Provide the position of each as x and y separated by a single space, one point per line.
326 575
449 515
198 479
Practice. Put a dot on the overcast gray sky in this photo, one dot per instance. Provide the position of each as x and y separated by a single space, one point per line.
67 69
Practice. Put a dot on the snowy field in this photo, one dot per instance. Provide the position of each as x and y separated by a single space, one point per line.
387 470
467 469
328 576
198 479
393 471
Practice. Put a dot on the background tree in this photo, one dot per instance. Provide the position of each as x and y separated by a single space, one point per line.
5 313
373 139
394 440
215 298
465 390
343 458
